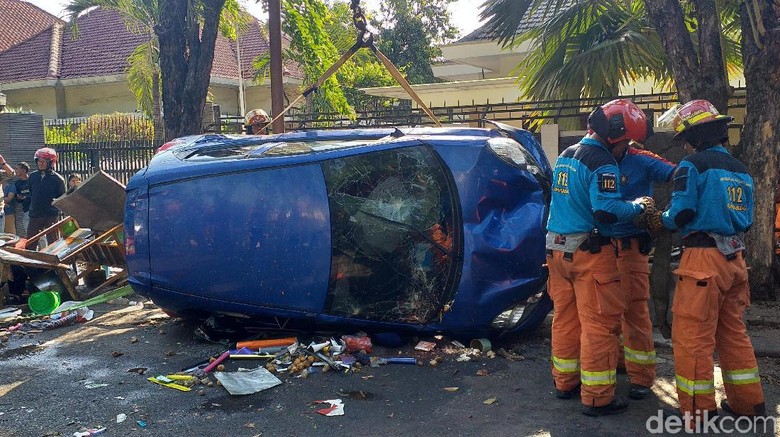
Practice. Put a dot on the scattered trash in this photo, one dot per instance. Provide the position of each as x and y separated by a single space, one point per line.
451 389
456 343
133 340
62 321
245 383
141 423
167 382
393 360
9 313
113 294
489 401
482 372
481 344
510 356
121 417
257 344
336 407
91 385
356 344
89 432
216 362
117 354
138 370
426 346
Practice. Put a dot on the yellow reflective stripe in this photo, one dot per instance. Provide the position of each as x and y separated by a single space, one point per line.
605 377
639 357
698 117
694 387
566 365
741 376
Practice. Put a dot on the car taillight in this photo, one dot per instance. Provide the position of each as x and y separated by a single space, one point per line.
166 146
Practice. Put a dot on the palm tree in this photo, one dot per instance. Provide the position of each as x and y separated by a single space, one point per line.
590 48
143 73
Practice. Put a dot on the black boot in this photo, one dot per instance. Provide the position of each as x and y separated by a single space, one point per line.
567 394
758 410
618 405
638 391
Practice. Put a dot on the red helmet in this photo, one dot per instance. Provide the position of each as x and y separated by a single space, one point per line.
46 153
620 120
696 113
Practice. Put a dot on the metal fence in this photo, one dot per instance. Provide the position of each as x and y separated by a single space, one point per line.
119 144
122 144
384 112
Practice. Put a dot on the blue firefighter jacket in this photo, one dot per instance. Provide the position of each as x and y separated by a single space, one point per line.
586 192
638 170
713 192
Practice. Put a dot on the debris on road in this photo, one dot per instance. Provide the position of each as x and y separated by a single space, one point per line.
247 382
336 407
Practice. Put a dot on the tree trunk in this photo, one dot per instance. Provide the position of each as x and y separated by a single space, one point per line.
159 126
759 147
186 56
694 79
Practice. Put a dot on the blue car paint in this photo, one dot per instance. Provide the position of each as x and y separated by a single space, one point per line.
502 210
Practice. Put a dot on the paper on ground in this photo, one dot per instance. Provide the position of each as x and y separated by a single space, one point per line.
336 407
246 383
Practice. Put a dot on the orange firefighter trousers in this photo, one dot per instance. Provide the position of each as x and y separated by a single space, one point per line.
638 349
710 297
588 305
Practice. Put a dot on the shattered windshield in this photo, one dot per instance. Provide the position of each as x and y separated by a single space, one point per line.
393 227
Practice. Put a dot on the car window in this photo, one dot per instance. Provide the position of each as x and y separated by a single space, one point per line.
393 228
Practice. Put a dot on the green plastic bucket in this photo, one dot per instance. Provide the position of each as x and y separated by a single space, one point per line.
43 302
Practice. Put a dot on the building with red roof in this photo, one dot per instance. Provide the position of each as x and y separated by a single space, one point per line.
45 68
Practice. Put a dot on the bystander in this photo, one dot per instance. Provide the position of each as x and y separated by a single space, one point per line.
22 199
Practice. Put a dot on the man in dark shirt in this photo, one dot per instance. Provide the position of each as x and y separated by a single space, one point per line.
45 186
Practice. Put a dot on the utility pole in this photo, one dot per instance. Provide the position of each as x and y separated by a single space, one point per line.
275 43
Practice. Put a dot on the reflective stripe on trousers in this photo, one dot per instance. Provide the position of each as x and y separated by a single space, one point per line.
639 357
741 376
694 387
565 365
605 377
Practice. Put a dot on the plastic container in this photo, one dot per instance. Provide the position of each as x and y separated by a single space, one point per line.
481 344
43 302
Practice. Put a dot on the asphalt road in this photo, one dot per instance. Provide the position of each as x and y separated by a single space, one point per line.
45 381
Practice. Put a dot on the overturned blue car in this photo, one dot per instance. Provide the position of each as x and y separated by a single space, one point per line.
435 230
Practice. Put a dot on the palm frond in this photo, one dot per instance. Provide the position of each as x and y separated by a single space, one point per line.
142 66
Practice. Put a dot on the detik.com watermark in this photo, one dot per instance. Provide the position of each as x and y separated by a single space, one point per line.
709 423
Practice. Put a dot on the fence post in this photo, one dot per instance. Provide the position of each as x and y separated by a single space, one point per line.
217 119
550 141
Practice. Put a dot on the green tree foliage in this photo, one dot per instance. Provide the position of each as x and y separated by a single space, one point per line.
410 33
305 23
313 43
593 48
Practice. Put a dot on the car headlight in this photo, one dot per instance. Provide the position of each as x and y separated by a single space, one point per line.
511 317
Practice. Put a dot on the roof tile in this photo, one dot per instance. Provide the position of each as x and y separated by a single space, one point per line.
21 21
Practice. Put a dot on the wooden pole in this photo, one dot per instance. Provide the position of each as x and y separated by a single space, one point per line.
275 43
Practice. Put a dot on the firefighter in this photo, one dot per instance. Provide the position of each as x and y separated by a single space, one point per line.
257 122
639 169
584 282
712 203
